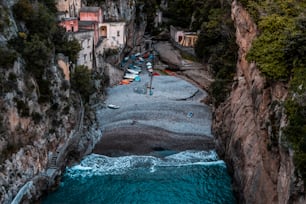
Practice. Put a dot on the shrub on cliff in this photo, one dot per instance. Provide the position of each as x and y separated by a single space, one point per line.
81 81
295 133
8 57
37 56
268 49
23 10
62 44
279 51
216 46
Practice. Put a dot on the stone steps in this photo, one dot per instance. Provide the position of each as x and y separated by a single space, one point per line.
52 162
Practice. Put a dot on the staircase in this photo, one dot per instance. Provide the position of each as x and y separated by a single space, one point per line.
52 162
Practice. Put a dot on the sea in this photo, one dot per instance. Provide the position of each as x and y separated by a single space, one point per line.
162 177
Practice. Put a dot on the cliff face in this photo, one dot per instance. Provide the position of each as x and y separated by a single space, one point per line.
247 127
32 130
38 138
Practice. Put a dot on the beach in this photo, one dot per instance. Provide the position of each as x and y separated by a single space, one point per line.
169 116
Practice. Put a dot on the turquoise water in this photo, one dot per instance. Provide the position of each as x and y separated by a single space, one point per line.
184 177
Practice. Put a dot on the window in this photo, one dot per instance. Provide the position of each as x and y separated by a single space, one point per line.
84 57
118 33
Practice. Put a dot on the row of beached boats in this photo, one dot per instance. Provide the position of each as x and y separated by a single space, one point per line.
133 70
138 61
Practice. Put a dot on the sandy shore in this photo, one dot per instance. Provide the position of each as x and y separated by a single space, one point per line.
145 140
171 118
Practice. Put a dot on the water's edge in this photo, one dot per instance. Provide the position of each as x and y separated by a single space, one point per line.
182 177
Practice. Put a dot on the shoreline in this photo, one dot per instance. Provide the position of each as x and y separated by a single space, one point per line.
144 140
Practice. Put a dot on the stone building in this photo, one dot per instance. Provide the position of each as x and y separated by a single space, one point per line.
113 34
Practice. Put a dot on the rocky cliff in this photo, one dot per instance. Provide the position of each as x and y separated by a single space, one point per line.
32 132
34 127
247 127
40 134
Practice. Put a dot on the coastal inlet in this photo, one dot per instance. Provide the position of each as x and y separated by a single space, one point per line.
156 147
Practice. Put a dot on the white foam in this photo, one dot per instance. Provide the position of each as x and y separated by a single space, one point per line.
80 167
95 164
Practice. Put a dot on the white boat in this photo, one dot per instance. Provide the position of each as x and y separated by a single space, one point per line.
112 106
130 76
133 71
136 67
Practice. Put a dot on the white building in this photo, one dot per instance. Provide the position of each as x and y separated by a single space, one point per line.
113 34
86 55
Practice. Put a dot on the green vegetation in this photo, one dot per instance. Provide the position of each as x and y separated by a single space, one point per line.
7 57
295 106
4 18
268 49
63 45
216 46
45 93
43 38
180 12
38 44
37 55
279 51
81 81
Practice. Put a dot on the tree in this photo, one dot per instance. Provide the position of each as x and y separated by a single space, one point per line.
37 56
268 49
81 81
23 10
72 48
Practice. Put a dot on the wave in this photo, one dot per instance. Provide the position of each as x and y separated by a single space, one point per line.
95 164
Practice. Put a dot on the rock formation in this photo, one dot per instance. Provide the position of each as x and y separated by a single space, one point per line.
38 139
247 127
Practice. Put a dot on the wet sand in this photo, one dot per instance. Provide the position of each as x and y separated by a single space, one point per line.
140 140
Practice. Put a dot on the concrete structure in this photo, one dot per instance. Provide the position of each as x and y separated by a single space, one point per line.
90 17
70 24
91 14
94 35
85 26
184 38
86 55
189 39
113 33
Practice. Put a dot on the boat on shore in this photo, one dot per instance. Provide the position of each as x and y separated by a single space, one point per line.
133 71
112 106
130 76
